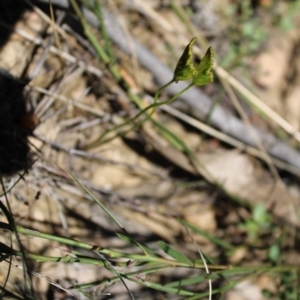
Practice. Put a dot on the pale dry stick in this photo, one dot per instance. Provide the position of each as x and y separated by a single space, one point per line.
227 139
45 104
167 26
245 118
47 19
80 153
55 24
65 55
71 189
186 20
83 125
46 50
65 106
56 27
257 102
136 69
74 190
256 139
133 55
51 282
73 121
80 105
203 259
61 213
164 24
145 8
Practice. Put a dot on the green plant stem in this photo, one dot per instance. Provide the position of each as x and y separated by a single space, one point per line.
146 258
143 111
9 219
98 11
114 279
13 229
65 259
92 38
99 203
112 253
100 140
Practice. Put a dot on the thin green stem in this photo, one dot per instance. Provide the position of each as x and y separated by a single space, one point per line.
92 38
99 203
154 105
143 111
13 229
65 259
115 254
114 279
98 11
